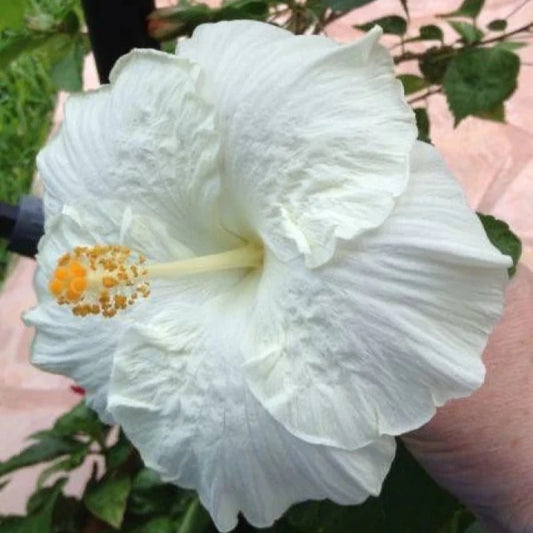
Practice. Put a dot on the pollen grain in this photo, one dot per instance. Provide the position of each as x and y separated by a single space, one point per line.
99 280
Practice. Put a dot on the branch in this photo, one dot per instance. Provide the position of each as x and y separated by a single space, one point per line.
527 28
428 93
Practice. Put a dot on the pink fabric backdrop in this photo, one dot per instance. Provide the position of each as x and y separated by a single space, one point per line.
493 162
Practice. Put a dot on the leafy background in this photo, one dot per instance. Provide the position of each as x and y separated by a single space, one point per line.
42 45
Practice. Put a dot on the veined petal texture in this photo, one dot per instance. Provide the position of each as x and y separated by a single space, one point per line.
148 139
315 136
181 397
392 327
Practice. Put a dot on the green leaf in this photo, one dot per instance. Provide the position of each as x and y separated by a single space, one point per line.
106 499
509 46
42 496
66 72
117 454
422 123
412 84
496 114
72 461
327 517
345 5
161 524
469 33
80 420
480 79
70 23
431 33
497 25
12 13
49 447
469 8
459 522
195 518
434 63
501 236
392 24
150 496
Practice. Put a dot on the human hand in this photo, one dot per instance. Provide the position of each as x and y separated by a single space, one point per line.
481 448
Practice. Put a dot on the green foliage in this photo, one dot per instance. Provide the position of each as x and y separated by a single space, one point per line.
412 84
478 80
51 33
182 19
496 113
47 448
510 46
40 512
431 33
107 498
422 123
12 13
497 25
131 498
80 421
119 453
40 51
345 5
469 8
26 104
393 24
434 63
501 236
468 32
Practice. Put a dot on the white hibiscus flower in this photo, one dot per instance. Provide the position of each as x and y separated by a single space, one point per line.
347 290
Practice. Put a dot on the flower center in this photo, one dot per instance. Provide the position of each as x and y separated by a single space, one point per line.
106 279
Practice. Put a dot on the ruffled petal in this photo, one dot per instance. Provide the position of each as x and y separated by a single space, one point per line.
179 394
316 136
82 348
391 328
149 140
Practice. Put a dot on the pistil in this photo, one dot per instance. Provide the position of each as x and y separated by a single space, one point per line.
106 279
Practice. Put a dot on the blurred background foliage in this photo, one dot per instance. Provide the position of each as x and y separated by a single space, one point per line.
42 46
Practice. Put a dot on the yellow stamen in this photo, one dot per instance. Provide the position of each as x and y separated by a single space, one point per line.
105 279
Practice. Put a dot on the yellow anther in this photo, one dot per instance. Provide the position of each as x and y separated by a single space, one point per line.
56 286
61 273
75 268
72 296
78 285
109 282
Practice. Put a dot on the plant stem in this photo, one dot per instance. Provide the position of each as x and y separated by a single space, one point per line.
428 93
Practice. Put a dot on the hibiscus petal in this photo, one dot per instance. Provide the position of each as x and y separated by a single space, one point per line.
82 348
316 136
391 328
148 139
180 396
